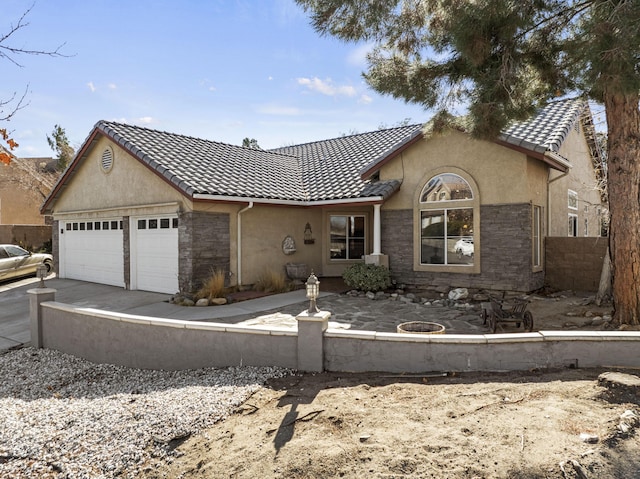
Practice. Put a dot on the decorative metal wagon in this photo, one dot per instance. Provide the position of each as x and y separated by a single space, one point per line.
497 310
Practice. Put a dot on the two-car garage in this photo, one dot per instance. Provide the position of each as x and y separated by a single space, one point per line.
98 251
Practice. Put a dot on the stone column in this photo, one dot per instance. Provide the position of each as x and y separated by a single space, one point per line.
37 297
311 328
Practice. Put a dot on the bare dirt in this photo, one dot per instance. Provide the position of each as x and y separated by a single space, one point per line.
517 425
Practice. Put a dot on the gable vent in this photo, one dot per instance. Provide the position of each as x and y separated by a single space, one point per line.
107 160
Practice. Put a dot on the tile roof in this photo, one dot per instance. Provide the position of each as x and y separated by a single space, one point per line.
323 170
331 168
548 128
200 166
328 170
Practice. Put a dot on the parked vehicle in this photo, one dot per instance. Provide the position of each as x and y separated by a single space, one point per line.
464 247
16 261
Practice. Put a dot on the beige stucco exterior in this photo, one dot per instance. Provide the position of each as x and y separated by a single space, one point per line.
582 180
498 175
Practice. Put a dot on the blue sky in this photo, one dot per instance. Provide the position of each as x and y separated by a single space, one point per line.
220 70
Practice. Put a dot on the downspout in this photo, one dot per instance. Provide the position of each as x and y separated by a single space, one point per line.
239 240
549 181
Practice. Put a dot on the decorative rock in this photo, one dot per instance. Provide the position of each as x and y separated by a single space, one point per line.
202 302
218 301
187 302
370 295
589 438
458 293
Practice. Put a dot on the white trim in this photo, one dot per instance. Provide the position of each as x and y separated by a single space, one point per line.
61 215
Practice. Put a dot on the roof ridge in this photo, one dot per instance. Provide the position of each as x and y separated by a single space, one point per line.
190 137
413 125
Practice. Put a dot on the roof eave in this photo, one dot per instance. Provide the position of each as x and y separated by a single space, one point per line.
375 165
279 202
554 160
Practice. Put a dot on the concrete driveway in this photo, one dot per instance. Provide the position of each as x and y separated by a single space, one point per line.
14 305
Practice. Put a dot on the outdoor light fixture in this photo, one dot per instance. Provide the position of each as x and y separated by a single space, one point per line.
308 234
313 289
41 273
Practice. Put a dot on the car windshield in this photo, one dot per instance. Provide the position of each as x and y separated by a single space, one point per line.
16 251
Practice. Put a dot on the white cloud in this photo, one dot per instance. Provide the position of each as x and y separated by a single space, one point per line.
112 86
145 120
327 87
365 99
91 86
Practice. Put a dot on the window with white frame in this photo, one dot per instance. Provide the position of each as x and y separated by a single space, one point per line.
347 237
446 221
573 200
573 225
537 236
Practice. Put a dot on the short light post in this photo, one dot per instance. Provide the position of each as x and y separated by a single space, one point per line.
313 289
41 273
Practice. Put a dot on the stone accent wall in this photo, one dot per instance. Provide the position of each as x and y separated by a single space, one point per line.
574 263
204 244
505 251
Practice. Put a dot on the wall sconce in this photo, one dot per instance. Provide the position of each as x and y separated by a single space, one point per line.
313 289
308 234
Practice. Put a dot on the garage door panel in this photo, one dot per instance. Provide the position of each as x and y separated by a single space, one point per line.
94 255
156 254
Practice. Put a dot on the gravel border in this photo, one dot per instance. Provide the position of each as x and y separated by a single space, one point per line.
64 417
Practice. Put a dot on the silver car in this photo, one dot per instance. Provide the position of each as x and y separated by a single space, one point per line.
16 261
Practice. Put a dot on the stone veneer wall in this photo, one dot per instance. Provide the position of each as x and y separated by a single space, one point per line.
505 251
204 244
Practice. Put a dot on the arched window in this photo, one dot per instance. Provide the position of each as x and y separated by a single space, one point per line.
447 221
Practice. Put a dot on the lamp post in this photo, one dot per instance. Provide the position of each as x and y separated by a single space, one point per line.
313 289
41 273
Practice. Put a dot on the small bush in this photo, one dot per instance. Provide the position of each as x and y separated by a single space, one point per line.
213 287
272 282
367 277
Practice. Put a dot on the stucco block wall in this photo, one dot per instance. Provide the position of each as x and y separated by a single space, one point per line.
506 251
574 263
29 236
204 245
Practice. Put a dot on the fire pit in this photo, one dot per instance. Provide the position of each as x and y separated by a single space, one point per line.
421 327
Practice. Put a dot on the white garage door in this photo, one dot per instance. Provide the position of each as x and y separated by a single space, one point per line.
92 251
154 254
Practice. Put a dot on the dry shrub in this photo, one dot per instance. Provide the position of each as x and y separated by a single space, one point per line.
272 282
213 286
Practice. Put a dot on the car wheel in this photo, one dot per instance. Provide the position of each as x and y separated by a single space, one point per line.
49 266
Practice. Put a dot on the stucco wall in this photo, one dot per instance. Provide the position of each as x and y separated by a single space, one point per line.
502 175
127 184
582 180
148 343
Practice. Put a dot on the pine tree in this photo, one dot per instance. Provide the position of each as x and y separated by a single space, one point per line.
503 58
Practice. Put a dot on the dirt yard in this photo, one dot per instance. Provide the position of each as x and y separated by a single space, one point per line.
519 425
528 425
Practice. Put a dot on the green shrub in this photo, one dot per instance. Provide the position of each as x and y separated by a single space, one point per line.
367 277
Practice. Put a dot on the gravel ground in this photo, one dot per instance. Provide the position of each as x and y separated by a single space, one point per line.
64 417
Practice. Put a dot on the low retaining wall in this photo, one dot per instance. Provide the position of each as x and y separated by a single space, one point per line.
148 343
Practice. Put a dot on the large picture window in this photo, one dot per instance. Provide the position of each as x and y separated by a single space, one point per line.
347 237
446 221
